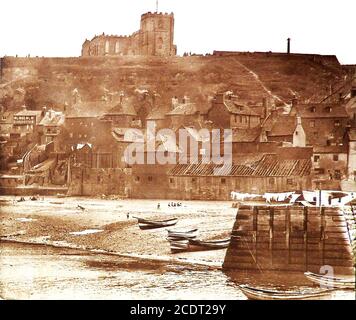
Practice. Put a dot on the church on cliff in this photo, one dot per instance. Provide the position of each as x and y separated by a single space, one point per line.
155 38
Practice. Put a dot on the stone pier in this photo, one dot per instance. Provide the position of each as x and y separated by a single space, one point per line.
290 238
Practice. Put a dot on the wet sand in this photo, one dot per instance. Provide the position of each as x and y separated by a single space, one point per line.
53 220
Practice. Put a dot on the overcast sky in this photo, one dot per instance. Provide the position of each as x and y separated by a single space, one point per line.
59 27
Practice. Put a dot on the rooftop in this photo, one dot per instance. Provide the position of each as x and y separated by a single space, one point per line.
268 166
285 126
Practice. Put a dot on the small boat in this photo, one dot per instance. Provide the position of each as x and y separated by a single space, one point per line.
209 244
179 246
189 234
263 294
332 282
154 224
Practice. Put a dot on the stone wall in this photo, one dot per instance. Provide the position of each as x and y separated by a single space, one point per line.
290 238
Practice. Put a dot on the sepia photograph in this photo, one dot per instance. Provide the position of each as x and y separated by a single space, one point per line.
177 150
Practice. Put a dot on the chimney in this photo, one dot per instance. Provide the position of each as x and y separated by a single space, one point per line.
288 45
175 102
186 99
121 97
299 121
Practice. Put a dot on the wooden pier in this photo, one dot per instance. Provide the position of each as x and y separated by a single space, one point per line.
290 238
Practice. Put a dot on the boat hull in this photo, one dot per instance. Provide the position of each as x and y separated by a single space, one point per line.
331 282
260 294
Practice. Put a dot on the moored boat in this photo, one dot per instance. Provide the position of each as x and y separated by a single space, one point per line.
263 294
331 282
154 224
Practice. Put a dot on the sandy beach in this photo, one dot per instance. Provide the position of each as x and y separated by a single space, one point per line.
104 225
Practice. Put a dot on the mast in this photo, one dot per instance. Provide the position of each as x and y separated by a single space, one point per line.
156 5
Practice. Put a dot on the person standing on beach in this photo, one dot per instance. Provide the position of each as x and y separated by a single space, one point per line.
128 215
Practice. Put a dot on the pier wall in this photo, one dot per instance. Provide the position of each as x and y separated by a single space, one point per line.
290 238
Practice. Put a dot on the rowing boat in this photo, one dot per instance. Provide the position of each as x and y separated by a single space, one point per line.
332 282
209 244
180 244
263 294
154 224
189 234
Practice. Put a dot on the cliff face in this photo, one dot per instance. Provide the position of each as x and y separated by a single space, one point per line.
96 82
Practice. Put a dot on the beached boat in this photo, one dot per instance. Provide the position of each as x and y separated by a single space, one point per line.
209 244
179 246
263 294
189 234
153 224
331 282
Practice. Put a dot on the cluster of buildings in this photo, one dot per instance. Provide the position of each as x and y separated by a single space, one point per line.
304 146
273 149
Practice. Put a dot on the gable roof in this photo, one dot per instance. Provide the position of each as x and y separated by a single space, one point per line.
52 118
29 113
238 108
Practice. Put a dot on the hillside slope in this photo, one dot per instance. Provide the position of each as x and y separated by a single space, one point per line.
96 82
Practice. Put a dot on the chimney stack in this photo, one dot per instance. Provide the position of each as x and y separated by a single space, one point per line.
288 45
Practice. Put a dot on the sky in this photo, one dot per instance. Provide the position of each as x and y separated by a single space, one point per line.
57 28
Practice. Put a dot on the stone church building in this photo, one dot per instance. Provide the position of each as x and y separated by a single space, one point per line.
155 38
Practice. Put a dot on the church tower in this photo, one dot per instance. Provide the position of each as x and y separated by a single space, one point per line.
156 34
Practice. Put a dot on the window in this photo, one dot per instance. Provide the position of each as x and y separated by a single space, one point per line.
316 158
290 181
312 123
223 180
336 157
171 180
150 178
137 178
313 109
194 179
337 123
271 181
